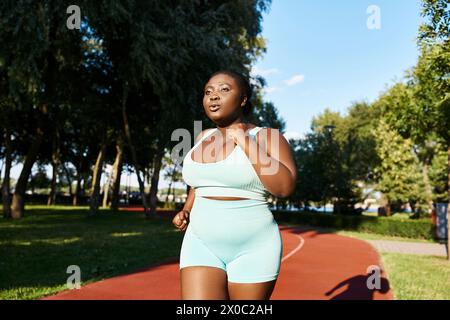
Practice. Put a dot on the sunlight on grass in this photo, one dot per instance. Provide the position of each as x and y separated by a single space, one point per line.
49 241
414 277
129 234
374 236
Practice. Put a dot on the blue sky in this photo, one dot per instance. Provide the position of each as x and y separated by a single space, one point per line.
331 56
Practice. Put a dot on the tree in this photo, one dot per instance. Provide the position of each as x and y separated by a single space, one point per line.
400 178
428 109
351 157
37 70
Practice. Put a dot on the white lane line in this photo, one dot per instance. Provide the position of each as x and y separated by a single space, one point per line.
300 245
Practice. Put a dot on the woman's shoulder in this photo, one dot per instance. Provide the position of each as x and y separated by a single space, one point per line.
254 129
264 133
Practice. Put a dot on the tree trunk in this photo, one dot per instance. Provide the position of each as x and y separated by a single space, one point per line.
77 190
117 173
51 197
428 187
79 168
55 164
96 175
69 179
168 192
388 209
106 189
6 178
174 195
154 183
18 201
49 78
133 151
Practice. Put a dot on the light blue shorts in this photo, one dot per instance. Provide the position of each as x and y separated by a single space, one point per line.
239 236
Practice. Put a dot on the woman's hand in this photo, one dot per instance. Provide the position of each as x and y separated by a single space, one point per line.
181 220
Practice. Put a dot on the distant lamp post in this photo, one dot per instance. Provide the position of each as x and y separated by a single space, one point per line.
329 128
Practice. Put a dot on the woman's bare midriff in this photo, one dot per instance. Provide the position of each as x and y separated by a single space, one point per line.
226 198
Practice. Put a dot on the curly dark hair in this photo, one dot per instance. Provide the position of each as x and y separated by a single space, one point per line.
244 86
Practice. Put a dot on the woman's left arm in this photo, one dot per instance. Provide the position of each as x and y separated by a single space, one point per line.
271 156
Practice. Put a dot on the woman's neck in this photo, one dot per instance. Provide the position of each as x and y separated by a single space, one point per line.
223 129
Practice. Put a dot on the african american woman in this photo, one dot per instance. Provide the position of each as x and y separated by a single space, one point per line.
232 247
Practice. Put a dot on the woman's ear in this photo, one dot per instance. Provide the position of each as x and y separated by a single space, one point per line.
244 101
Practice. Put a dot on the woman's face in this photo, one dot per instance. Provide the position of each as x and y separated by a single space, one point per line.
222 98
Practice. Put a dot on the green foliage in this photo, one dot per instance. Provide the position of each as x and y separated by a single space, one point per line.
400 178
39 180
437 25
311 156
414 229
419 111
146 61
438 175
337 164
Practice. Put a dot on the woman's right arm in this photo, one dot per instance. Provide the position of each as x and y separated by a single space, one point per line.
181 219
189 200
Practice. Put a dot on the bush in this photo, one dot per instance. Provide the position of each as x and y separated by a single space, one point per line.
414 229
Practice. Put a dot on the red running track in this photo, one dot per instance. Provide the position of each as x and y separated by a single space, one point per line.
315 266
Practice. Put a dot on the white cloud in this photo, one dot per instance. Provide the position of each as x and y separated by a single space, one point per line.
271 89
263 72
293 135
298 78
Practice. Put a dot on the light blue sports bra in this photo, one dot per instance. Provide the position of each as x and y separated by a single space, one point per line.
233 176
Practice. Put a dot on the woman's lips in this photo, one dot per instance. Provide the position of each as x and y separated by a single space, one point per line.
214 108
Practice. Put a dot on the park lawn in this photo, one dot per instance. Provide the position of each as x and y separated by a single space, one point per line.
394 215
417 277
412 277
374 236
35 251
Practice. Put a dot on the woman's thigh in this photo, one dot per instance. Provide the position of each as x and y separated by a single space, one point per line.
203 283
251 291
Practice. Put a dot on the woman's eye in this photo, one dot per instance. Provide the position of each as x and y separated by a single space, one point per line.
226 89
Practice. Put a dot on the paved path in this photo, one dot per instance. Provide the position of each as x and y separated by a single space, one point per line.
315 265
433 249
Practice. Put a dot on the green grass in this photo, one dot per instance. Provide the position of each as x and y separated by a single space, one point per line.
412 277
397 215
374 236
415 277
35 251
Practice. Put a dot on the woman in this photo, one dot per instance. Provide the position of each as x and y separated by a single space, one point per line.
232 246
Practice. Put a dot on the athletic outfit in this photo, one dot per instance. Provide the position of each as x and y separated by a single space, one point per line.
238 236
